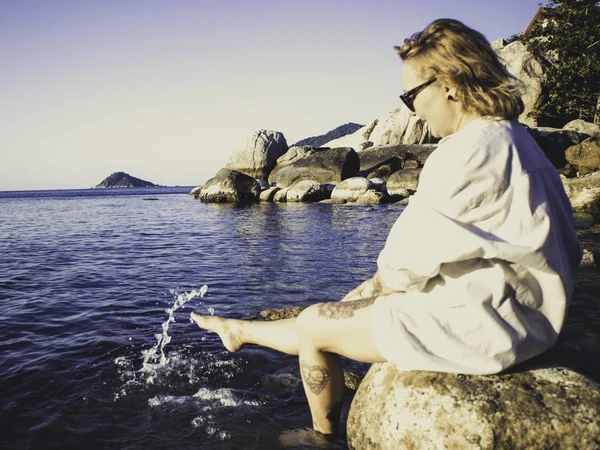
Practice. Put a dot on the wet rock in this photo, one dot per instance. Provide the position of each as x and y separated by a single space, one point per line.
196 192
307 191
268 194
351 189
281 195
230 186
530 408
372 197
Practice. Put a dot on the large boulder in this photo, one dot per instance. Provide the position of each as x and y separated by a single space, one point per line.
404 182
230 186
532 408
523 64
555 141
591 129
585 156
399 126
325 166
384 160
257 157
584 193
351 189
307 191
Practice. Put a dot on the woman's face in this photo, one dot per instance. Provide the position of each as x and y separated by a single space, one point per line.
431 103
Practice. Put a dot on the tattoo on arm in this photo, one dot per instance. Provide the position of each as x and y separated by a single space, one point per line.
342 310
315 377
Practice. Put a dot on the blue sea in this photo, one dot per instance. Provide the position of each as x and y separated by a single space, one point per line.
96 288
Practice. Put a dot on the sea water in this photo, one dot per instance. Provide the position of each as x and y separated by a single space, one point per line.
97 286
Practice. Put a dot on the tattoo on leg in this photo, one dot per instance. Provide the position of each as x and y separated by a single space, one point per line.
342 310
315 377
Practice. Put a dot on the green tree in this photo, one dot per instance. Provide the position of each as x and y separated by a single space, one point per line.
568 40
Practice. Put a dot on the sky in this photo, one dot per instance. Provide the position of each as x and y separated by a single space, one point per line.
167 90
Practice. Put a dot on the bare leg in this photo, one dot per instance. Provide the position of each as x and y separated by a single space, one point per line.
326 330
280 335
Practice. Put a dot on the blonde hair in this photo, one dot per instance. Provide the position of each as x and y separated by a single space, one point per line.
461 57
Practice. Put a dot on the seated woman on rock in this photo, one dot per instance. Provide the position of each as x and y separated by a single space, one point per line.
477 271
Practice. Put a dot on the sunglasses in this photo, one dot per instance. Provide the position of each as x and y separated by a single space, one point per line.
409 97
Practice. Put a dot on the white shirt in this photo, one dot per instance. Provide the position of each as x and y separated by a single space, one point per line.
486 253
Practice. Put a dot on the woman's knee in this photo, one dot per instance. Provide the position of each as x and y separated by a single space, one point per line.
310 324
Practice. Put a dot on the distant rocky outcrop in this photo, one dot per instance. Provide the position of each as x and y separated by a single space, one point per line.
124 180
318 141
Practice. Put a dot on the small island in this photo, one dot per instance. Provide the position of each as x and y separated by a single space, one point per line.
124 180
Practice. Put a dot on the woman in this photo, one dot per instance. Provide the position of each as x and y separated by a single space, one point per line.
477 272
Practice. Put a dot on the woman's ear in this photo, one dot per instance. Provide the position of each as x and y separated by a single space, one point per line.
451 93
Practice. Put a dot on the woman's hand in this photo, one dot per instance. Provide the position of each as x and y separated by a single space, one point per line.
365 290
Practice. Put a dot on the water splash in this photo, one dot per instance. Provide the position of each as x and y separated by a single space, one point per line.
155 358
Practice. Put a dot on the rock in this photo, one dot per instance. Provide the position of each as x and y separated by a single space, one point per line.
589 259
196 192
581 126
281 195
555 141
530 408
383 160
350 189
396 127
294 154
584 220
268 194
123 180
307 191
230 186
373 197
342 130
325 166
585 156
584 193
403 182
263 184
281 313
528 68
259 154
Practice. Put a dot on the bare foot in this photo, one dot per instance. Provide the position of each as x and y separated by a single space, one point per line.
306 438
227 329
